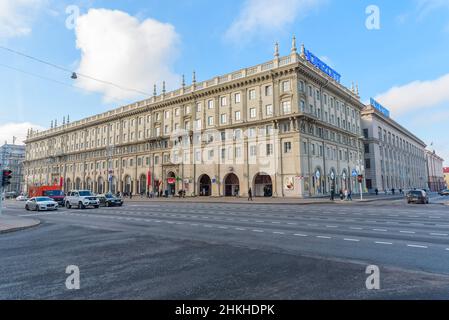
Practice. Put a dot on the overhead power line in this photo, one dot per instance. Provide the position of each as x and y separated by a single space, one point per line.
71 71
52 80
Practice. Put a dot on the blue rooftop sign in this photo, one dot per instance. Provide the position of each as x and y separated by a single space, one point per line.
322 66
380 108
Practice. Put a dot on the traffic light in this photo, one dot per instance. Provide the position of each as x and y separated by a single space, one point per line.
6 176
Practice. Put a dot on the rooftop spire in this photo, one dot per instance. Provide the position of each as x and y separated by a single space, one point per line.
303 51
154 91
276 50
163 87
183 84
294 49
194 77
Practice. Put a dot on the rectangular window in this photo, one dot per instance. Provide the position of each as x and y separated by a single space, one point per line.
287 147
269 149
366 148
237 116
253 151
367 163
224 101
223 118
252 113
237 97
210 121
286 107
285 86
268 91
252 94
269 109
210 104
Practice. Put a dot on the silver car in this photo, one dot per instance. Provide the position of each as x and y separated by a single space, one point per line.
41 204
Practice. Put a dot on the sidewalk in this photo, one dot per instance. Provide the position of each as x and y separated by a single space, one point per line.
278 201
11 224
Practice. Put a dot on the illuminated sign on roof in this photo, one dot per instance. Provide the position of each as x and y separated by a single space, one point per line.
380 108
322 66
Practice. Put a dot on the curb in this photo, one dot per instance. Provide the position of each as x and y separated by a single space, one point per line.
36 224
356 201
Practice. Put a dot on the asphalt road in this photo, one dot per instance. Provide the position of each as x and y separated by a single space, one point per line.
230 251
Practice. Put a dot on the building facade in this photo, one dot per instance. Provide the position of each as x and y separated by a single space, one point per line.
434 171
12 157
394 157
446 176
283 128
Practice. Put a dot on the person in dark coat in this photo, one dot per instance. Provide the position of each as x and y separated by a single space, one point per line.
250 194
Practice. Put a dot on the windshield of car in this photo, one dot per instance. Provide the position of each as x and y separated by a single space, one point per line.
42 199
85 193
416 193
109 196
53 193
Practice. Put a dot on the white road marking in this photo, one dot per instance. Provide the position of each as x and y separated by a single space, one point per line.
356 228
300 235
410 232
417 246
240 229
353 240
277 232
381 242
381 230
323 237
439 234
258 231
292 223
331 226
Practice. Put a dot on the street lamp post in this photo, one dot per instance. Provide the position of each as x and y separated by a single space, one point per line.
110 153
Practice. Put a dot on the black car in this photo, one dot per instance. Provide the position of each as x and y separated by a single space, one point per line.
109 200
444 192
417 196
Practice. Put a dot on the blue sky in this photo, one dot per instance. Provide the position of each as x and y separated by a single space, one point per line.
404 64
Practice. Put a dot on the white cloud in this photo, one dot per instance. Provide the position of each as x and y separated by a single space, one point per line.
16 17
259 16
18 130
427 6
119 48
416 95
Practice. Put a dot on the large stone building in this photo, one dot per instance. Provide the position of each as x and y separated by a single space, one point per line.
394 157
286 128
12 157
434 171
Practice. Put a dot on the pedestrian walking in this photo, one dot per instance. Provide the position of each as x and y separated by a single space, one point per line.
346 194
250 194
376 191
332 194
350 195
341 195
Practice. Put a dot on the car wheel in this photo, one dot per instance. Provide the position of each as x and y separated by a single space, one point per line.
81 206
96 207
106 204
27 208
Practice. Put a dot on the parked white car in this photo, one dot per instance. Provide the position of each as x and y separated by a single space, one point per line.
81 199
41 204
21 198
